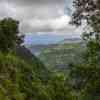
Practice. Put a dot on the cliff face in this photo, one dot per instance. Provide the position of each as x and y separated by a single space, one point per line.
24 53
41 71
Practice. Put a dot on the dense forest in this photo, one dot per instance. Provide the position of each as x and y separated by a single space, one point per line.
24 77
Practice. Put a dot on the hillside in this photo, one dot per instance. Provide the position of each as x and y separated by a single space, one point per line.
60 56
71 40
39 68
20 81
16 78
37 48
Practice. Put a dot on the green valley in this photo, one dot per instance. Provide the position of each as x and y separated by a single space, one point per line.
59 56
65 70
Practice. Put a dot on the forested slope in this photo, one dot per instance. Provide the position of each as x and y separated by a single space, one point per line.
60 56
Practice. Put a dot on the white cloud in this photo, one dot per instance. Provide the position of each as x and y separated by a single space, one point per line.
59 24
7 10
39 16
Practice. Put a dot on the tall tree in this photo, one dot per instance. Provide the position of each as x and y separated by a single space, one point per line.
9 34
88 72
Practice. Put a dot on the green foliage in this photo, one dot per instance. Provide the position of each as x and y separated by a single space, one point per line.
9 34
20 81
87 74
59 88
22 75
58 57
15 77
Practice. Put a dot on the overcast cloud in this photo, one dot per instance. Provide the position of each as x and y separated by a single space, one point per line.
37 16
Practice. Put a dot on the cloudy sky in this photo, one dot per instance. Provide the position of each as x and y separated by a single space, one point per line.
40 16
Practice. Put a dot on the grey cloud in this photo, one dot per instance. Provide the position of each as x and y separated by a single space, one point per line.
59 24
26 27
33 2
28 11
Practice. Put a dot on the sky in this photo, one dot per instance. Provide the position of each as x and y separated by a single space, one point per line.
41 17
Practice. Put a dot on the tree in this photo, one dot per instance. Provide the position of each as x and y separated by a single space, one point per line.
88 10
9 34
59 88
88 72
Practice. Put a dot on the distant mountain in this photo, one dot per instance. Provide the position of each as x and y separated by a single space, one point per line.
45 39
37 48
71 40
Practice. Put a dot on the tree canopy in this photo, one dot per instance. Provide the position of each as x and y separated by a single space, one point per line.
88 72
9 34
88 11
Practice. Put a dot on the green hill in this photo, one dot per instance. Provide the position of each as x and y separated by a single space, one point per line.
21 75
16 78
60 56
20 81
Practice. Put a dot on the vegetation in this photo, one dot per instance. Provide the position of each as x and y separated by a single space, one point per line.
58 57
9 34
19 81
84 77
24 77
88 72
